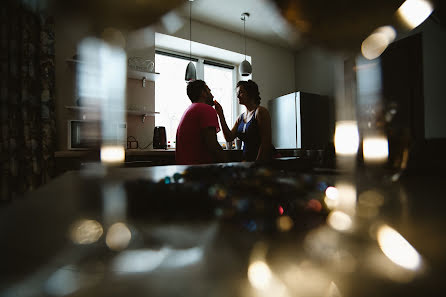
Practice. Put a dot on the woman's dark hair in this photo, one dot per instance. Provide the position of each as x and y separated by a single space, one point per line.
194 89
251 88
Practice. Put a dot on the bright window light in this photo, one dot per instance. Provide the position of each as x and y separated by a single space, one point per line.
170 93
220 82
171 98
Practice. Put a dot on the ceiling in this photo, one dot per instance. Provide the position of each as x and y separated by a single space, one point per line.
265 22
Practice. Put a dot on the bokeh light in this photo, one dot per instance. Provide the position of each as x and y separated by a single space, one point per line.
346 138
284 223
414 12
112 154
331 197
375 149
118 237
377 42
347 197
397 249
340 221
259 275
332 193
374 45
85 231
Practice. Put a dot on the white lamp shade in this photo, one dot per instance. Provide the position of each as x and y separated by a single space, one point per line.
245 68
191 73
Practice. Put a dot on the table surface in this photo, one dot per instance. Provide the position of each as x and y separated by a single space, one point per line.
211 257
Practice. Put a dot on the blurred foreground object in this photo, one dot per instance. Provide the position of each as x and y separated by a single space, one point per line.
130 14
342 24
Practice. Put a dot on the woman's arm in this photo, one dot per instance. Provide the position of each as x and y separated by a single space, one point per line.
229 134
264 122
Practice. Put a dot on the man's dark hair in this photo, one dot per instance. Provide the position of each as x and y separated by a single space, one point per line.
251 88
194 89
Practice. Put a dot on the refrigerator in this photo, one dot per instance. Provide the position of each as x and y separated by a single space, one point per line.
302 120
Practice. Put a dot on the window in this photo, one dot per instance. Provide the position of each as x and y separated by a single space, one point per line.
171 98
220 81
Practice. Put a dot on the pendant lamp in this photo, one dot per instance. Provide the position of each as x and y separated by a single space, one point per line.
191 72
245 67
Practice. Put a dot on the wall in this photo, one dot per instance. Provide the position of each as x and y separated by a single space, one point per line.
315 74
273 70
315 71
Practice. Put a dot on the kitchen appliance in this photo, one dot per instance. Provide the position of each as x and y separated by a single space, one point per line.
301 121
159 138
84 134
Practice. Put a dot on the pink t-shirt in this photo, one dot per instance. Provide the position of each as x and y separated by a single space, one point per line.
190 146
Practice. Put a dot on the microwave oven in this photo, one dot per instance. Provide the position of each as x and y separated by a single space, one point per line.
84 134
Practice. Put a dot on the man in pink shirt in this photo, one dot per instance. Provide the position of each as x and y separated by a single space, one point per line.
196 139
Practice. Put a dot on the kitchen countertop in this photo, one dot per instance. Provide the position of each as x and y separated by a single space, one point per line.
154 152
81 153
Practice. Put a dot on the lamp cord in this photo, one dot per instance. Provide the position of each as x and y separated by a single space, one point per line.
244 32
190 31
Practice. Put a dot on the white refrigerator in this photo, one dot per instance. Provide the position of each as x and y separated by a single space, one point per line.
302 121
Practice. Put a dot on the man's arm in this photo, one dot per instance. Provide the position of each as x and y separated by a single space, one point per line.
212 145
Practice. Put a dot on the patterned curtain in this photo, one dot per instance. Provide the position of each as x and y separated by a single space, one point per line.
27 116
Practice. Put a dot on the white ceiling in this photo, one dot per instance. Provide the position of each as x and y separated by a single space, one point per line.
264 24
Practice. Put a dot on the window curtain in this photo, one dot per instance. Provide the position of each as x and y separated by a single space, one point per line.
27 116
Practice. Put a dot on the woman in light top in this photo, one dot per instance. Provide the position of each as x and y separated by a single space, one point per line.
253 127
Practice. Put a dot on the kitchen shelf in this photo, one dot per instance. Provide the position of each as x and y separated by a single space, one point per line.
142 113
133 74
